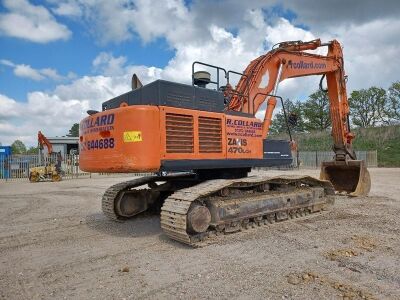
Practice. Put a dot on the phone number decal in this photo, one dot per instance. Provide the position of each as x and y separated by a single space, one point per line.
100 144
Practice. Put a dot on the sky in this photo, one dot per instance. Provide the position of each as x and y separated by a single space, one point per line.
59 58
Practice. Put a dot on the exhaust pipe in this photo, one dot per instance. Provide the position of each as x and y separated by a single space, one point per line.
351 177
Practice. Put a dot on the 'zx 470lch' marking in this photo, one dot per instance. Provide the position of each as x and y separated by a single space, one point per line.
237 142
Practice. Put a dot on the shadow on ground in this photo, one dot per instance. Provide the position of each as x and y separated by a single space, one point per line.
142 225
147 224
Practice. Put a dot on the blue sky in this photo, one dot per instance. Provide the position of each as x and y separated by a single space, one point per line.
59 58
73 55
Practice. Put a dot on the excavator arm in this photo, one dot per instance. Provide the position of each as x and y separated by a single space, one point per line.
260 82
43 141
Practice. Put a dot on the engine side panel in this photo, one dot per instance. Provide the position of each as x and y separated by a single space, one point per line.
144 138
193 134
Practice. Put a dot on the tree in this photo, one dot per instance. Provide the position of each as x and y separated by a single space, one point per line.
33 150
74 131
279 123
316 112
393 105
367 107
18 147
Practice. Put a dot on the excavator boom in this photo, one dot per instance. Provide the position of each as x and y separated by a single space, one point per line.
43 141
289 60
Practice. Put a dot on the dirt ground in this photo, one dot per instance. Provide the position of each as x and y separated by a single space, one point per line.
56 243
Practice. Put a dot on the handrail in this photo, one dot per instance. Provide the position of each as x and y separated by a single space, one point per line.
210 66
247 83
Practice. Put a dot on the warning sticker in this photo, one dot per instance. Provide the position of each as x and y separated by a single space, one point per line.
132 136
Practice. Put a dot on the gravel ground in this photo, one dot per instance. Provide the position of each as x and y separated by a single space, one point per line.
55 243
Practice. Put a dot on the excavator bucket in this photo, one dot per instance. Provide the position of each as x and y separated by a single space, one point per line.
351 177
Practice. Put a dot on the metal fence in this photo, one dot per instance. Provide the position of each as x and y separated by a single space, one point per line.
313 159
16 167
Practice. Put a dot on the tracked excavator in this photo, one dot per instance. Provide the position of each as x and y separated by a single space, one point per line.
202 143
47 171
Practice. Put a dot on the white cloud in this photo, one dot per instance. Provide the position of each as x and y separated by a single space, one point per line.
70 9
26 71
42 111
325 15
9 107
7 63
31 22
51 73
283 30
370 62
170 18
92 88
51 108
109 65
223 49
97 89
107 21
121 20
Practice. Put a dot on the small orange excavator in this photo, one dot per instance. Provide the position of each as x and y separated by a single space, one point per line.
202 143
48 170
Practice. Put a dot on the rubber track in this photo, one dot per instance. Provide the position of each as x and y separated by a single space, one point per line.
175 208
111 194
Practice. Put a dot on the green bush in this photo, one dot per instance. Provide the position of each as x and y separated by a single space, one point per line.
385 139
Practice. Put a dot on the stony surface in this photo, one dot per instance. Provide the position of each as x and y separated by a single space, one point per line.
55 243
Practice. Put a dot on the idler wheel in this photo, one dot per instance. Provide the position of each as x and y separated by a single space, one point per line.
131 203
198 218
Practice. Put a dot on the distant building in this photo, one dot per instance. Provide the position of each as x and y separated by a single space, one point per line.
65 144
5 151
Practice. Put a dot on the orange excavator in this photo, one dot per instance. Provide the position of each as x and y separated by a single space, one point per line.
201 144
47 170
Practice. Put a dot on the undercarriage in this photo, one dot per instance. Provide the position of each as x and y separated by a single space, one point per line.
195 210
